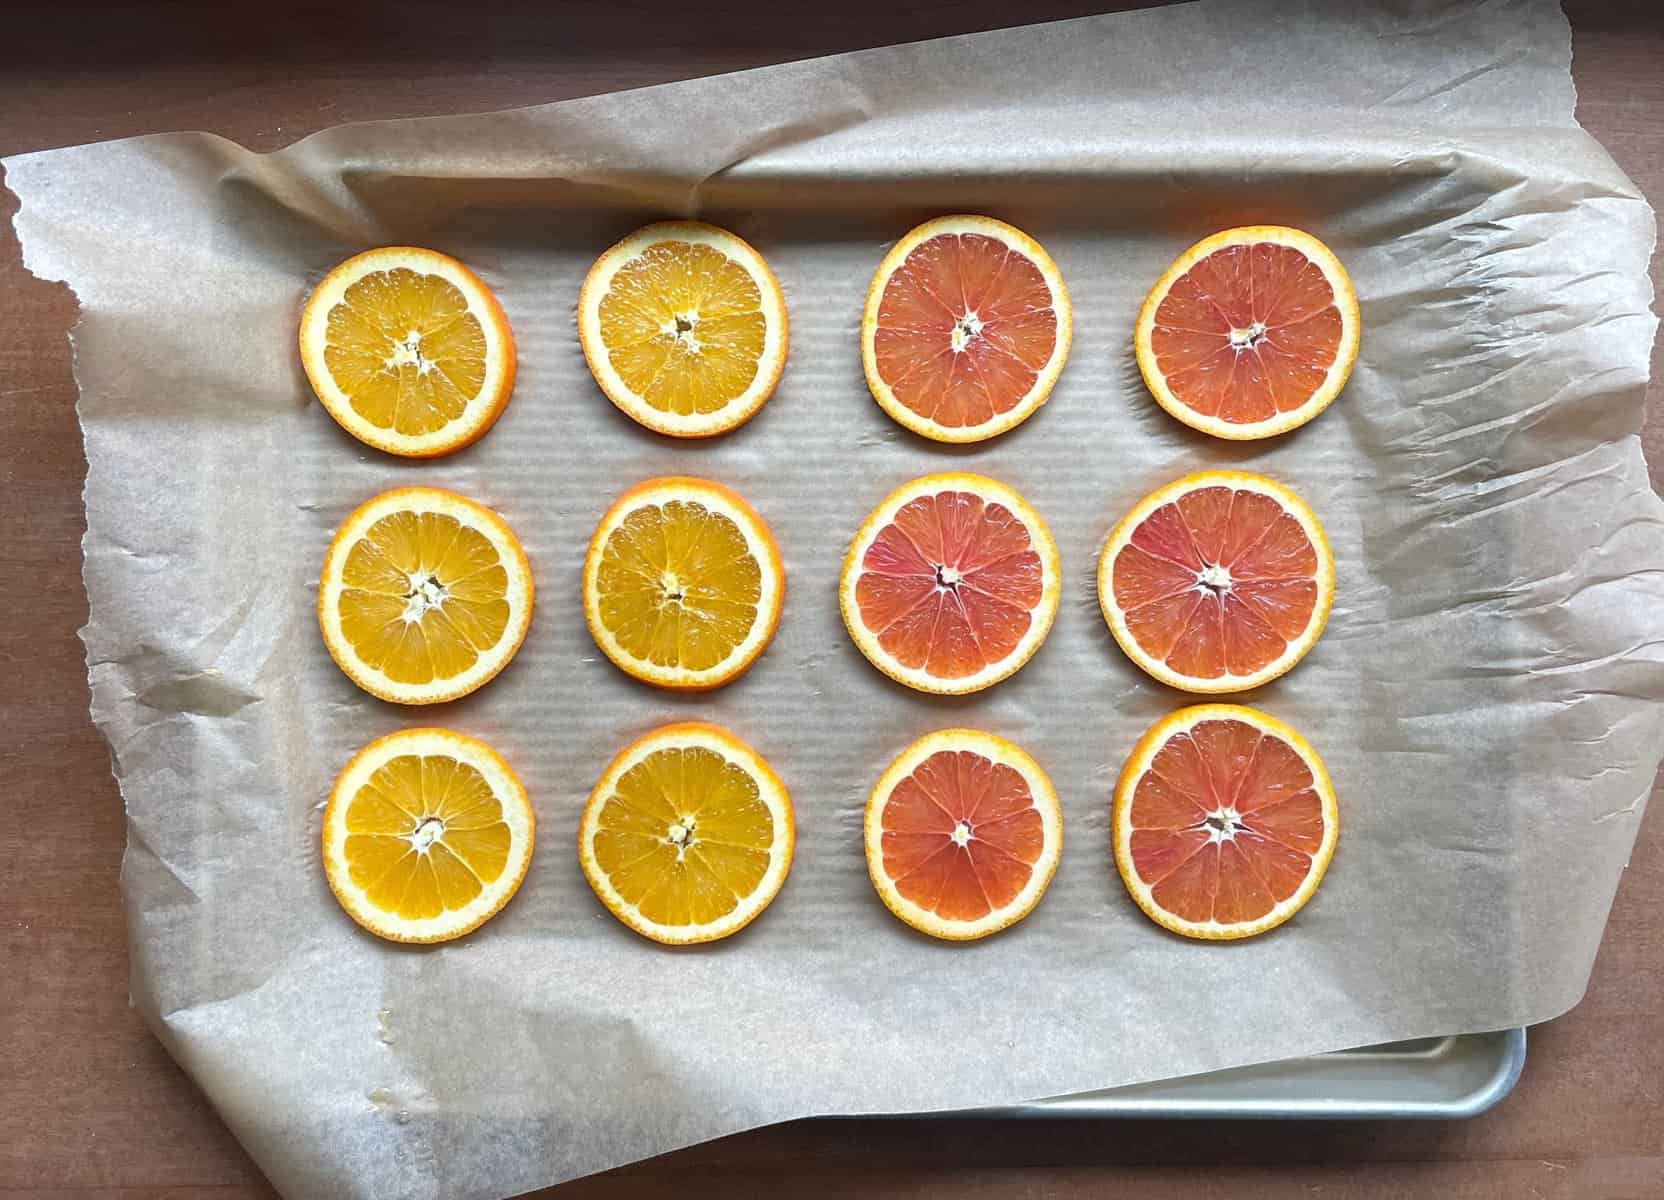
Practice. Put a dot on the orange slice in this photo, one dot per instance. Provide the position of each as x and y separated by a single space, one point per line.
1224 822
966 329
1251 333
1218 582
684 328
424 596
951 584
426 836
408 351
688 835
683 583
963 834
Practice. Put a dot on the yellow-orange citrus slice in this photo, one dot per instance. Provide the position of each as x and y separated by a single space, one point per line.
408 351
963 834
424 595
966 329
1251 333
683 583
688 835
951 584
1224 822
426 836
684 328
1218 582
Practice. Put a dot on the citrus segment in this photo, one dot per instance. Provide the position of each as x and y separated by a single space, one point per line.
424 595
1224 822
426 835
684 328
408 350
683 583
1251 333
951 584
688 835
1218 582
963 834
966 329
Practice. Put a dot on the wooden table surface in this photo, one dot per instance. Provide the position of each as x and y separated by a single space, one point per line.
90 1104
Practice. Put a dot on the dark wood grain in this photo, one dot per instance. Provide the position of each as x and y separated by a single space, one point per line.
90 1104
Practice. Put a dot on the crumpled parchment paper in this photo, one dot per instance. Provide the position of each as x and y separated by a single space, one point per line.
1486 695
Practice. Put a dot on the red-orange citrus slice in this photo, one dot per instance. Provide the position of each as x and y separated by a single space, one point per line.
1218 582
966 329
1224 822
951 585
963 834
1251 333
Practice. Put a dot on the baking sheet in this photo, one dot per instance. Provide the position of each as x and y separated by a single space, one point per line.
1486 695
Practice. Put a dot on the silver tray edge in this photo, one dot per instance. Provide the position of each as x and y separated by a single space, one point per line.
1451 1078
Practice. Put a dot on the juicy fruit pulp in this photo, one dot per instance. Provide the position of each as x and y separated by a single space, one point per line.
425 836
406 350
679 585
961 835
1249 332
683 327
965 326
423 596
685 836
1226 823
950 584
1218 581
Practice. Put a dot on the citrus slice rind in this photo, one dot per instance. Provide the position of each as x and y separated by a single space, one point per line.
424 596
641 313
427 834
408 350
983 312
963 833
1224 822
683 583
1201 599
964 555
688 835
1250 333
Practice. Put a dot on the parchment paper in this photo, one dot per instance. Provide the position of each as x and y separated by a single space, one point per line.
1486 695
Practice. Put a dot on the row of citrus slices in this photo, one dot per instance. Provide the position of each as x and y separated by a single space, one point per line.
1218 582
1223 824
965 331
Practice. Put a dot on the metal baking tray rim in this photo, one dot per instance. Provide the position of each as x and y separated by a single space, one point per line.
1445 1078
